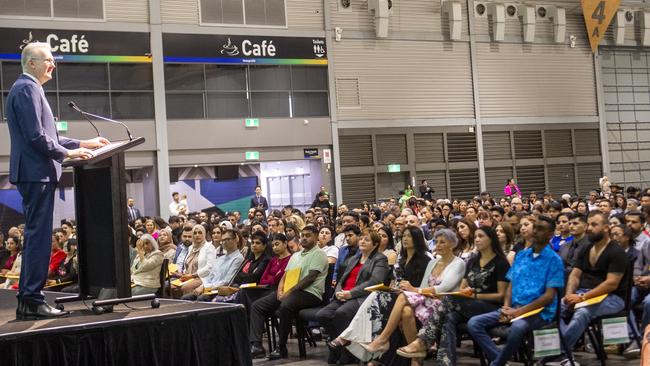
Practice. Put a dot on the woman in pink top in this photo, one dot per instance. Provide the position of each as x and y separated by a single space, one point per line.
272 274
511 188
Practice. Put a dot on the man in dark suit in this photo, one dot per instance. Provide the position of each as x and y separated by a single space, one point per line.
259 201
132 212
367 268
35 168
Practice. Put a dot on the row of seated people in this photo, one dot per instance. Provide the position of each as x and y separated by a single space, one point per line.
62 269
488 291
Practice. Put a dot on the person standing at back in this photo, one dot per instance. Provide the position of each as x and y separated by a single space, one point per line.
37 151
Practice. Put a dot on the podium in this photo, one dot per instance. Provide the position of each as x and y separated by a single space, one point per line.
102 228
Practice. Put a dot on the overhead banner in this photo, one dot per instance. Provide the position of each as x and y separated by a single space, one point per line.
78 46
598 14
229 49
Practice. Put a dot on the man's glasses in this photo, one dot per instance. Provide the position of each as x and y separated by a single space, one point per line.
48 60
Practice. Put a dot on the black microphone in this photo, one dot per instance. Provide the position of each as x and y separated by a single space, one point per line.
86 114
74 106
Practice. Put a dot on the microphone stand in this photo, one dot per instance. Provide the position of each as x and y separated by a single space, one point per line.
86 114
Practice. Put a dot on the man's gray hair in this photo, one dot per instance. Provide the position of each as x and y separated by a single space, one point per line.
449 235
30 50
151 240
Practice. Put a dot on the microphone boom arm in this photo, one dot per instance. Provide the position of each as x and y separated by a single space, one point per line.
109 120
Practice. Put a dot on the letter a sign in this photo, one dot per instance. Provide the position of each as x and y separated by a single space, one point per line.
598 14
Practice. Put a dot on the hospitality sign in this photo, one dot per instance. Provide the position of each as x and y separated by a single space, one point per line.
233 49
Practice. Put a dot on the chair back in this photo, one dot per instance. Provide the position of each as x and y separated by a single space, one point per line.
329 289
164 275
628 279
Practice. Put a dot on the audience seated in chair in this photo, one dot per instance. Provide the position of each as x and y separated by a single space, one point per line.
535 275
368 268
597 272
145 271
249 272
482 290
308 292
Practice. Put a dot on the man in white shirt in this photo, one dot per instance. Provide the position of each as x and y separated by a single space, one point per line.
178 206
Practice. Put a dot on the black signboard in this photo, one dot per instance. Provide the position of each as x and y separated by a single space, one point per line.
77 45
311 153
210 48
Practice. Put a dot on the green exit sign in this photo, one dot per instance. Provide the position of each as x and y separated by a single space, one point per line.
252 122
62 126
394 168
252 155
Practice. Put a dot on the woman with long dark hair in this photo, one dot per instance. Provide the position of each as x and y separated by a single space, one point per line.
443 274
482 290
372 315
465 229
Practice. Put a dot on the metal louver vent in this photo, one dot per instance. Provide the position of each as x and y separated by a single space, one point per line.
588 176
429 148
531 178
389 184
495 180
461 147
561 179
587 142
558 143
437 180
528 144
391 149
347 93
464 183
358 188
496 145
356 150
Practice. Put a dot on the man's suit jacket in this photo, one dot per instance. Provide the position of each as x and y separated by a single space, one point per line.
36 148
261 201
373 272
137 213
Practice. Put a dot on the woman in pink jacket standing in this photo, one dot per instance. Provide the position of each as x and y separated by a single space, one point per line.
511 188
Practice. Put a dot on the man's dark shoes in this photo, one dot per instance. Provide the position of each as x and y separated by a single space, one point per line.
257 351
278 353
35 311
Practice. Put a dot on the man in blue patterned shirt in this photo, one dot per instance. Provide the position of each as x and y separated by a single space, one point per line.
535 276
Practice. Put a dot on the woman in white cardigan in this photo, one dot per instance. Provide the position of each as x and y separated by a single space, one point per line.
145 271
198 264
443 274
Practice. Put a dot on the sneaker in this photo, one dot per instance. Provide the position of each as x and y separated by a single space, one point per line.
632 351
589 348
564 362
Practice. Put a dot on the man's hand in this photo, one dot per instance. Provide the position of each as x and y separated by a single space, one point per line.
81 152
279 294
573 299
507 314
94 143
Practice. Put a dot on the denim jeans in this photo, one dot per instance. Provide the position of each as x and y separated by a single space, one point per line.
637 297
581 318
479 326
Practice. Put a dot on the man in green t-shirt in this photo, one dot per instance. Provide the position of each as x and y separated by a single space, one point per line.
306 293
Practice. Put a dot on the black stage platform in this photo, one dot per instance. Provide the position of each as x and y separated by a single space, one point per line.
178 333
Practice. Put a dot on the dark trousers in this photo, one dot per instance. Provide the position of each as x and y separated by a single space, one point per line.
249 295
38 207
287 309
337 315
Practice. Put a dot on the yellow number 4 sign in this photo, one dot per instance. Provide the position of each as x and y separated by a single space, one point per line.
598 14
